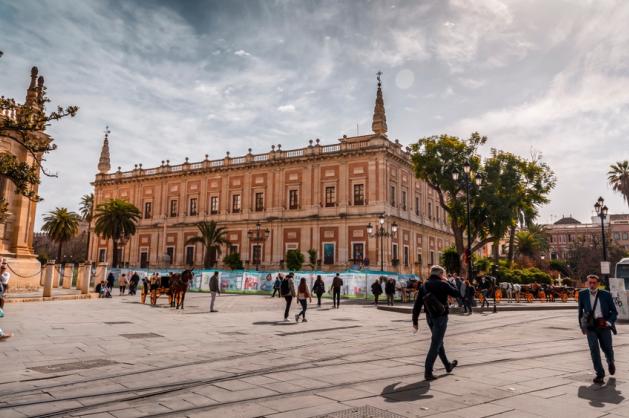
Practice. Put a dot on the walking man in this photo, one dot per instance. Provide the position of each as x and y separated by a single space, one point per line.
597 315
4 282
433 296
337 284
287 290
215 289
276 285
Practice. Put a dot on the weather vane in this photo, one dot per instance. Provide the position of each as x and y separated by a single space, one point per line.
378 74
107 131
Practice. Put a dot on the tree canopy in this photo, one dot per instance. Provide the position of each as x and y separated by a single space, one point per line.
618 178
116 219
61 225
211 237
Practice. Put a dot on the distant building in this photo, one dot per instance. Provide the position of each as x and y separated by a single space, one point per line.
73 251
319 197
619 229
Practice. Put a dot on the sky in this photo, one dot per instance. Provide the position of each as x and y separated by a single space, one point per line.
177 79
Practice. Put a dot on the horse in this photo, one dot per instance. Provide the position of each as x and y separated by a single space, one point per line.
509 290
179 287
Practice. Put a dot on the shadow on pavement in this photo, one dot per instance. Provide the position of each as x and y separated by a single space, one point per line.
600 395
407 393
274 323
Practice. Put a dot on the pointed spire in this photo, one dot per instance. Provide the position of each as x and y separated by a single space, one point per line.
379 124
104 165
31 93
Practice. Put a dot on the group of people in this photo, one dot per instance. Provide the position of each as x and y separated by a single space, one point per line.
597 315
104 288
389 289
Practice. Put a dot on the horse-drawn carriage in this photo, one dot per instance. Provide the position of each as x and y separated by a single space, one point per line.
531 292
174 286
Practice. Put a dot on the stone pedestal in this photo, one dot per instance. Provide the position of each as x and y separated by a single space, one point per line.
85 278
101 273
48 282
68 269
25 273
56 276
79 276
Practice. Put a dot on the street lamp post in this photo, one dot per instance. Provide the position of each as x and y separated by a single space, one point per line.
381 232
259 235
467 184
601 212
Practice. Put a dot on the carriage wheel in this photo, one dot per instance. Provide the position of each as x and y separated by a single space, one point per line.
498 295
529 297
542 296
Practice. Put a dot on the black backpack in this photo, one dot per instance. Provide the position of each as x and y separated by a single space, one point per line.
285 287
432 305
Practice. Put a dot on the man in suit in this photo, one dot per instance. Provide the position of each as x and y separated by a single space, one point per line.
599 305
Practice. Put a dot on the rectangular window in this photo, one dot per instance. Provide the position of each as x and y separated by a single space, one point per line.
233 249
403 200
392 197
190 255
419 259
417 205
358 251
236 203
174 209
616 235
406 255
432 258
429 210
259 202
214 205
293 199
256 253
330 196
438 214
192 207
359 194
148 210
144 259
394 255
328 253
170 255
102 255
625 235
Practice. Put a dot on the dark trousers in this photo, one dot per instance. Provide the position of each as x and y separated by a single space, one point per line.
467 304
289 300
390 299
336 297
600 337
376 297
438 328
485 293
319 299
275 290
304 306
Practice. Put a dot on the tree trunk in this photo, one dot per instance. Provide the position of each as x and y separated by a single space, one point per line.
87 249
114 259
511 244
207 263
59 252
495 250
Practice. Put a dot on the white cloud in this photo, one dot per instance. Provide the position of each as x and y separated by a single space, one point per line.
242 53
289 108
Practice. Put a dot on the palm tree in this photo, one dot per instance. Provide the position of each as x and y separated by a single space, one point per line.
116 219
61 225
211 238
531 241
618 178
87 214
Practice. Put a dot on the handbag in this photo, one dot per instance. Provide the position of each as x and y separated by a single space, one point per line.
587 321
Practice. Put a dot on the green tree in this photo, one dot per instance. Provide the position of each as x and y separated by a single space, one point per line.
211 237
116 219
312 258
233 261
86 209
451 261
27 130
531 242
61 225
618 178
294 260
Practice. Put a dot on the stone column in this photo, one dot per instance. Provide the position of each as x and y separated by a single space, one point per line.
85 278
101 272
67 276
79 276
57 273
48 281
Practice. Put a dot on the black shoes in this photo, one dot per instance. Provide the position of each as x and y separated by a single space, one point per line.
453 365
428 377
612 368
599 380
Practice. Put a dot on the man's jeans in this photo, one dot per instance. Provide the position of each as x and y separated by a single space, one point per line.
602 336
212 299
289 300
438 328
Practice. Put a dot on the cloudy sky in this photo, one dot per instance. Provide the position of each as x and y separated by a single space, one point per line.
176 79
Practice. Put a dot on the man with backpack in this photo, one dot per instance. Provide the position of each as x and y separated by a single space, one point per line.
433 296
287 290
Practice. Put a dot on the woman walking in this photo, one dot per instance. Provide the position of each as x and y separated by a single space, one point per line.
318 289
154 286
468 298
389 289
303 295
122 284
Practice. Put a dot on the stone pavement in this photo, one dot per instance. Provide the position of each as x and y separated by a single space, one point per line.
116 358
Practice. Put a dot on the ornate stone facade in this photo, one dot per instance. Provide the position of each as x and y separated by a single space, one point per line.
320 197
16 234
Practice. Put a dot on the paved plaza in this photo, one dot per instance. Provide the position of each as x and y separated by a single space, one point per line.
117 358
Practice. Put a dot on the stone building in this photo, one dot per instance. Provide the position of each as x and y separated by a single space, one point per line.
567 230
16 231
320 197
619 230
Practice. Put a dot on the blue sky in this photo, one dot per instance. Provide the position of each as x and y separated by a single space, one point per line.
182 79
